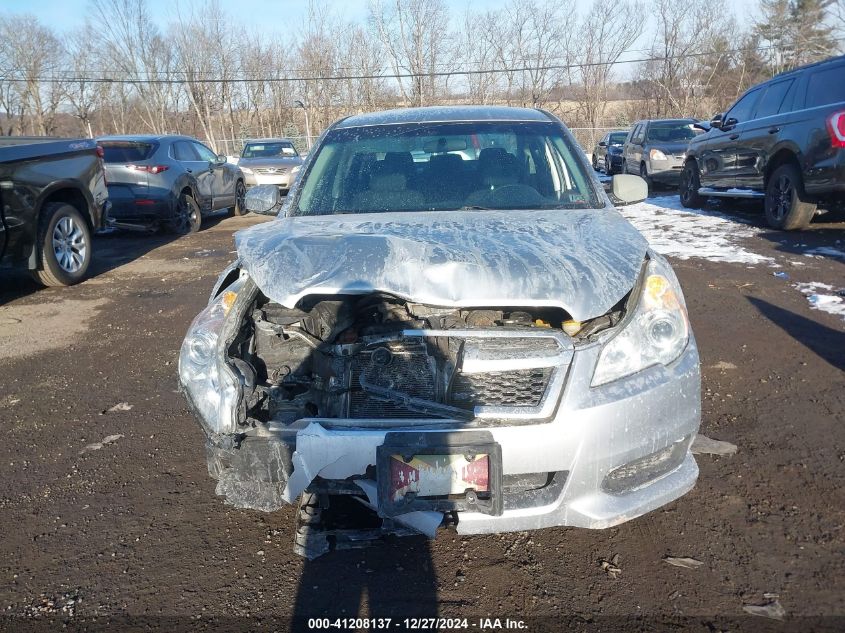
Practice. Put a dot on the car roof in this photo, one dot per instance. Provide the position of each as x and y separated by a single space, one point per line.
275 139
443 114
669 121
800 69
145 137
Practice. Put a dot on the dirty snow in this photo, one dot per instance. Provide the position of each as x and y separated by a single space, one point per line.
823 297
676 231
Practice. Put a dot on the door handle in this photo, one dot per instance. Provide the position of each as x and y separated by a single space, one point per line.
189 170
774 130
733 137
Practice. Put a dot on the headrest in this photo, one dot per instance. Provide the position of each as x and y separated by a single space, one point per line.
445 162
401 161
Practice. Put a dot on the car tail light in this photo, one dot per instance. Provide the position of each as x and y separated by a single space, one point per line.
150 169
101 153
836 128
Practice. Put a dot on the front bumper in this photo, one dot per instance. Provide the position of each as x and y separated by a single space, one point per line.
667 171
594 431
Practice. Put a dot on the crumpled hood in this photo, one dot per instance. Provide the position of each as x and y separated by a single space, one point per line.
581 261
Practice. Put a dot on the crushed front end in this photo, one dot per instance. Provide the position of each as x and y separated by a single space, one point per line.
492 419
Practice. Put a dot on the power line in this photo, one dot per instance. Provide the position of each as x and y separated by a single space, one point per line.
408 75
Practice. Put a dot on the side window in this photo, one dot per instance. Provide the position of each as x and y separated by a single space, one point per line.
773 98
203 152
182 151
826 86
638 134
742 109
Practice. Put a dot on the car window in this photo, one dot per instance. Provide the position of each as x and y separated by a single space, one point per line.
126 151
183 151
742 109
617 138
203 152
638 134
490 165
271 149
826 86
671 131
772 99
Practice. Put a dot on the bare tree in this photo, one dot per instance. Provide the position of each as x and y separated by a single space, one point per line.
418 42
34 55
607 31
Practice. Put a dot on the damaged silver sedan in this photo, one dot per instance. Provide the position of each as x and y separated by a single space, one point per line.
448 324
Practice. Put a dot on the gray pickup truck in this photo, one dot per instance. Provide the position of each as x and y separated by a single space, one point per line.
53 197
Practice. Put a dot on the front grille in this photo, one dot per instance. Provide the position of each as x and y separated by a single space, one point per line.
278 171
458 375
524 388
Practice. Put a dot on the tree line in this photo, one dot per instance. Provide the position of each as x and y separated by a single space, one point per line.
206 74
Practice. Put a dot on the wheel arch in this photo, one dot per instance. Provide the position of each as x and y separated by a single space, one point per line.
783 156
63 192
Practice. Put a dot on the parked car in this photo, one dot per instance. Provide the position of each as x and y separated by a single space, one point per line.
53 197
783 142
505 350
168 182
270 161
656 149
607 154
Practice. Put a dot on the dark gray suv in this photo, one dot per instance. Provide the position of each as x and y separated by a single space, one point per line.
168 181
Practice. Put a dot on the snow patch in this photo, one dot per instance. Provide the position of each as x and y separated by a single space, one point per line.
684 233
823 297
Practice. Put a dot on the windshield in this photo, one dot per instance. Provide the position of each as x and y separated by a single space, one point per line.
671 132
276 149
445 166
618 138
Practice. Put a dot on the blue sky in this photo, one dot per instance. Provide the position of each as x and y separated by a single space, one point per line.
271 16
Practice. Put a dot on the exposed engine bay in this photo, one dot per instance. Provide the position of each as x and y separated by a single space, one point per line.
377 357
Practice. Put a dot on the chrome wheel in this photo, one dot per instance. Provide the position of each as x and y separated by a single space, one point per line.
69 245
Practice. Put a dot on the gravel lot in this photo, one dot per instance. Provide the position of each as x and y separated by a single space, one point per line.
108 511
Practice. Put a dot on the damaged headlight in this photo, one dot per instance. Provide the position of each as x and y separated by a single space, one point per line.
656 333
208 382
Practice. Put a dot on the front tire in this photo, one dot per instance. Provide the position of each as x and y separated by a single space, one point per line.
690 184
64 246
608 166
644 175
240 199
187 218
595 163
785 205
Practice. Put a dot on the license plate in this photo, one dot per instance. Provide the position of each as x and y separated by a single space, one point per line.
438 475
439 471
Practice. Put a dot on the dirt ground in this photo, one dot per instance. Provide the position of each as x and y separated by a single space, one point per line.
131 531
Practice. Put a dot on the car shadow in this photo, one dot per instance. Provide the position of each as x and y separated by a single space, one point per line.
112 248
823 240
394 582
825 342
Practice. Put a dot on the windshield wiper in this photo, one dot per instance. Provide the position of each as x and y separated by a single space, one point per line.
474 207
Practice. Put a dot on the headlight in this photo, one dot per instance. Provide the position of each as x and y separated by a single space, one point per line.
295 170
246 170
210 385
656 332
656 154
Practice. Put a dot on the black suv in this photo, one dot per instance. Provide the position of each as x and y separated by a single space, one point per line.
783 141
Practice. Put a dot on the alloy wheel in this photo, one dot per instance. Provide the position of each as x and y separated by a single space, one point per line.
69 245
781 197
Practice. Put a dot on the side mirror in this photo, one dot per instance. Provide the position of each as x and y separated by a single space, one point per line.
628 189
730 123
263 199
716 121
602 144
